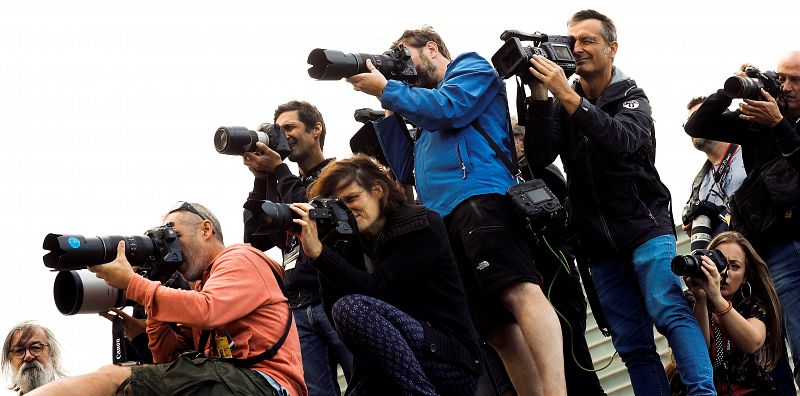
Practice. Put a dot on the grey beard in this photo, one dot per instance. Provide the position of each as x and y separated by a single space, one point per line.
32 375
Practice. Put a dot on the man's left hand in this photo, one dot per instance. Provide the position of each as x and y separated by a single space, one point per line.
371 83
554 79
764 112
117 273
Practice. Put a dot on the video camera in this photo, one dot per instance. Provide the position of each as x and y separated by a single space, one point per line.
157 255
689 265
750 87
703 216
515 59
236 140
335 222
395 64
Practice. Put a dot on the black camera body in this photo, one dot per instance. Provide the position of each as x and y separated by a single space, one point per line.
236 140
703 216
335 222
157 255
395 64
514 59
689 265
537 205
750 87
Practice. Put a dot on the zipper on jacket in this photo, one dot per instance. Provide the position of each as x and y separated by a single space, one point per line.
594 194
484 228
649 213
461 162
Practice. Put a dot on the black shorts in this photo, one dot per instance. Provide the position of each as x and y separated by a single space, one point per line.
489 244
198 376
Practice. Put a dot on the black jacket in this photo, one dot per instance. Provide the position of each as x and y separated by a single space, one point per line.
416 272
617 200
759 145
302 285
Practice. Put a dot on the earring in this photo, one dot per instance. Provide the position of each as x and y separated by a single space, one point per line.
749 293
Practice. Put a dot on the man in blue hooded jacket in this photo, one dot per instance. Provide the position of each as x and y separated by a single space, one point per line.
603 130
460 176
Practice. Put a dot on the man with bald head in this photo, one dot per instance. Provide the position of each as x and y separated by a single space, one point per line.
768 129
31 357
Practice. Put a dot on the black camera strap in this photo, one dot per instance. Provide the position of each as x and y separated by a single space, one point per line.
510 164
718 174
267 354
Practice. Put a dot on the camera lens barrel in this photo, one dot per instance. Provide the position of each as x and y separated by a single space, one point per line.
688 265
73 252
81 292
701 232
238 140
743 87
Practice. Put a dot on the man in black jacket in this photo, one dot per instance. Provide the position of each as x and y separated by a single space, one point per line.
305 132
603 131
769 132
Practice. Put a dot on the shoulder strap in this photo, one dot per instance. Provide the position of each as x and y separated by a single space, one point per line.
510 164
698 180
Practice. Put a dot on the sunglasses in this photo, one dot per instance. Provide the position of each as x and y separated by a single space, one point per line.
182 205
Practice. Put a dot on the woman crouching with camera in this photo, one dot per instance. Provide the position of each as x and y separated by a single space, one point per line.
394 293
740 318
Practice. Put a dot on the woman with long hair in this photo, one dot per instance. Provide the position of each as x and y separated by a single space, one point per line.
739 315
394 293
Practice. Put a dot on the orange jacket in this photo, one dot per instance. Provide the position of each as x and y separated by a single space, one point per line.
239 296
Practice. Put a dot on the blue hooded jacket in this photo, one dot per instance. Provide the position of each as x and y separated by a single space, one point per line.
452 161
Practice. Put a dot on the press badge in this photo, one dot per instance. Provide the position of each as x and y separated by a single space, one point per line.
224 345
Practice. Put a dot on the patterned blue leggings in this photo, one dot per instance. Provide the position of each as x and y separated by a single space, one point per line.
388 343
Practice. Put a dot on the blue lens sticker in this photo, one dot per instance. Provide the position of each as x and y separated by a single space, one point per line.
74 242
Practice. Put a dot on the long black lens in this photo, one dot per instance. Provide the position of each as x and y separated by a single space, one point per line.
742 87
237 140
72 252
80 292
336 65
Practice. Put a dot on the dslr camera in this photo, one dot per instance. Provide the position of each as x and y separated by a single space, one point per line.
689 265
335 222
537 205
703 216
514 59
236 140
157 255
395 64
750 87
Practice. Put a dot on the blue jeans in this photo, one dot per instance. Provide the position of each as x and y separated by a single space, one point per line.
784 268
640 292
322 350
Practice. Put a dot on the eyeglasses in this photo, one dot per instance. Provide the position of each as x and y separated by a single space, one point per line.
36 350
182 205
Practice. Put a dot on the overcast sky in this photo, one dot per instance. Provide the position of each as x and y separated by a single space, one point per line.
109 107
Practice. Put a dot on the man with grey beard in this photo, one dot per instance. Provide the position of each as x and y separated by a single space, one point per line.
31 357
720 176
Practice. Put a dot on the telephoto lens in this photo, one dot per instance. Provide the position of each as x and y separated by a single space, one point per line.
237 140
701 232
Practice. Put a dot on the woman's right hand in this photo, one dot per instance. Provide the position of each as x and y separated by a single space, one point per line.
312 246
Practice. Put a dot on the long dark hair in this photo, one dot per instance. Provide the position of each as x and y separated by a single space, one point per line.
366 172
757 274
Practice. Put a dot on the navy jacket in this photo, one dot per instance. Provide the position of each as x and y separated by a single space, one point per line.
617 200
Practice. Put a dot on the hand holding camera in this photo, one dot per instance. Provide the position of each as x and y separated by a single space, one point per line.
117 273
371 83
307 234
262 161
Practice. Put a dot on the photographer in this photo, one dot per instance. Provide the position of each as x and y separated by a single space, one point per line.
305 132
394 294
739 316
765 207
236 303
603 131
720 176
460 105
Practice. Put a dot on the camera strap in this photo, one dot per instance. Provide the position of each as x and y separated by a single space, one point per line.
270 352
510 164
718 173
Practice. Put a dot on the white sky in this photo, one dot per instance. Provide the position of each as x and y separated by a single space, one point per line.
109 107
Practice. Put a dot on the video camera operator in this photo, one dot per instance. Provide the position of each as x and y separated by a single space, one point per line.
765 208
305 132
602 129
237 311
461 109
